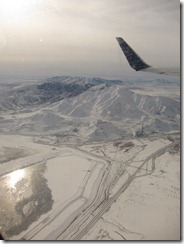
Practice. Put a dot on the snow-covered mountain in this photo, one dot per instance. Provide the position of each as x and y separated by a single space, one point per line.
90 109
51 90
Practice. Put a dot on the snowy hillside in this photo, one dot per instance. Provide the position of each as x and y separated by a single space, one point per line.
49 91
90 109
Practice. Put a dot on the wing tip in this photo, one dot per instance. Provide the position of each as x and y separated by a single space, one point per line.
136 62
119 39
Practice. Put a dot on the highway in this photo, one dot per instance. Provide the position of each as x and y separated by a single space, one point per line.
99 198
93 214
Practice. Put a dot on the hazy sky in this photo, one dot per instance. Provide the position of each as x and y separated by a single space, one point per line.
77 37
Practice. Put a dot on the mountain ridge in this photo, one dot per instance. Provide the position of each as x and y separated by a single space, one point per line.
89 109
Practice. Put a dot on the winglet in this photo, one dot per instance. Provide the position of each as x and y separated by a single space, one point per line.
133 58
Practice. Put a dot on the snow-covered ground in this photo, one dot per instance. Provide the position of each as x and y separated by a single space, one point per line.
65 180
90 159
70 177
148 210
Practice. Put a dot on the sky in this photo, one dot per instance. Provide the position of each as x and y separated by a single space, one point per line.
45 38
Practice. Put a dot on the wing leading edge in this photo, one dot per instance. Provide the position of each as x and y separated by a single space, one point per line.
138 64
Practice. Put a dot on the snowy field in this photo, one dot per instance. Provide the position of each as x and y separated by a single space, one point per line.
148 210
68 176
50 187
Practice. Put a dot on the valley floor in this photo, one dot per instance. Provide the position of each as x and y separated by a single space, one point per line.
115 190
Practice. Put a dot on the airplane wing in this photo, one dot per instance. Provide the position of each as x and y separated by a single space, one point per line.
138 64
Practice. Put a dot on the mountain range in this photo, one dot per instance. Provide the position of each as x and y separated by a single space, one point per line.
81 109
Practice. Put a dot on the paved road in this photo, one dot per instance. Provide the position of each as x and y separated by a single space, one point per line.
80 231
99 201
